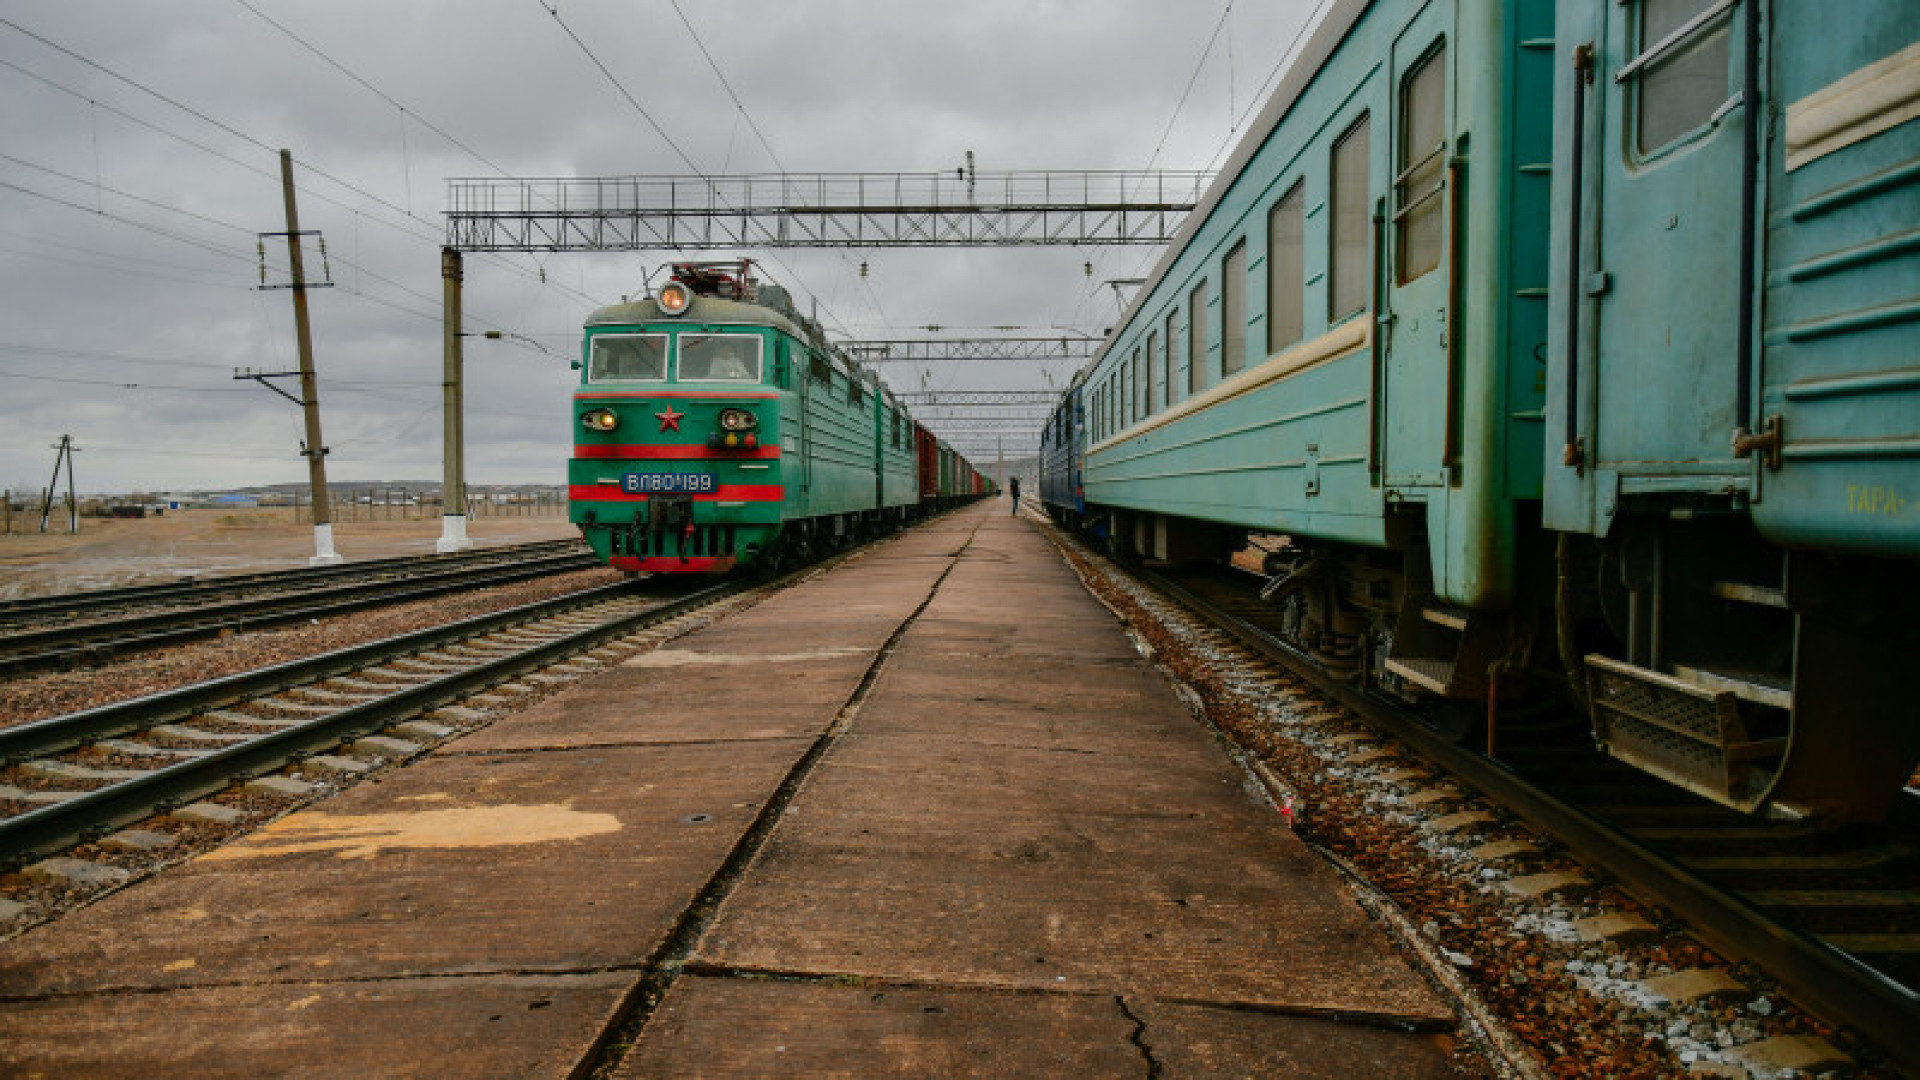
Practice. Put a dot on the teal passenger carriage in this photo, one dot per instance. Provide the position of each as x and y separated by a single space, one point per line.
1564 345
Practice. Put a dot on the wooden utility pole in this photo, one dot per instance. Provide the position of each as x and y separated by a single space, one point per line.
315 450
65 453
453 494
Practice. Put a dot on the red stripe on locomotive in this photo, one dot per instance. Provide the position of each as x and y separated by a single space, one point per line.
636 450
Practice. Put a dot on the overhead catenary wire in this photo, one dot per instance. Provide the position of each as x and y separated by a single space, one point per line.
553 9
1094 282
743 112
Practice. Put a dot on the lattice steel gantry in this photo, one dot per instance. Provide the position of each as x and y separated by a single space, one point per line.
927 350
848 210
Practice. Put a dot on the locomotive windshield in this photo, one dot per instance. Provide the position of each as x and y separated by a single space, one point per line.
719 358
628 358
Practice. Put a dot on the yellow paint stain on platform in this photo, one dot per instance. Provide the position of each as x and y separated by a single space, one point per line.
363 836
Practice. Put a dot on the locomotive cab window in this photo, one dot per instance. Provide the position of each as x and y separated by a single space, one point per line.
628 358
1347 255
1421 165
1682 68
719 358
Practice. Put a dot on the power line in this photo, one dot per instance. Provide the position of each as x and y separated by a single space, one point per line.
418 118
431 237
376 91
124 385
63 353
155 229
98 186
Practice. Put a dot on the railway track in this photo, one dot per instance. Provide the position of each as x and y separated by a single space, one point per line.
1832 914
85 630
92 604
76 777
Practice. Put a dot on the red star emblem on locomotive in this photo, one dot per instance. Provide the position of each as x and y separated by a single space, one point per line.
670 420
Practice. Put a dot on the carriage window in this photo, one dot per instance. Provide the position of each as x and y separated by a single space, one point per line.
719 358
1196 335
1347 247
1140 385
818 367
1233 310
1423 154
1172 327
1286 271
1685 47
628 358
856 392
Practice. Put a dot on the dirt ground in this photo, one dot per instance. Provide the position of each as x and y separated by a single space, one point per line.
188 543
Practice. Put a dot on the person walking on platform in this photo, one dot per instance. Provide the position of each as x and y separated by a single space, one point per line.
1013 489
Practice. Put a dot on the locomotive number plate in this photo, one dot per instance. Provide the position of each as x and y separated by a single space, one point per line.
648 483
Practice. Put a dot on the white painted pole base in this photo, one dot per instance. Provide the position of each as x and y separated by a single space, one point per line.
453 535
323 553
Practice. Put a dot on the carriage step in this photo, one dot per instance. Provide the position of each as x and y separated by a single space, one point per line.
1442 649
1759 687
1427 672
1687 733
1759 595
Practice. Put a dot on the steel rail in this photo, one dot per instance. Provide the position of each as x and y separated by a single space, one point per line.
61 824
41 649
62 604
1819 977
56 733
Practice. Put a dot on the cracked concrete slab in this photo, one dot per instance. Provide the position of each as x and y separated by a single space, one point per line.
714 1025
498 1025
761 1027
953 842
572 860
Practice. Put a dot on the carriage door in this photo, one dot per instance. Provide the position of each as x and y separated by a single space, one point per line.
1414 251
1665 133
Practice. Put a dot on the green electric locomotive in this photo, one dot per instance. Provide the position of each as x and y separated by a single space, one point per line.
715 427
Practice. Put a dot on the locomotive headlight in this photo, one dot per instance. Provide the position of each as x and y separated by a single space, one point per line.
599 420
738 420
675 298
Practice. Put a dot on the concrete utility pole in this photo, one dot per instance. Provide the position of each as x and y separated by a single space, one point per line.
315 450
453 493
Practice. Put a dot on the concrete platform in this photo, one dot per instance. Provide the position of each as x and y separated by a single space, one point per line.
1020 856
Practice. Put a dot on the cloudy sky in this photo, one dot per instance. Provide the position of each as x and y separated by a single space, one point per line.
138 163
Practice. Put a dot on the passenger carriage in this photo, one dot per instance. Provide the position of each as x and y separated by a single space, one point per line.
1567 345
